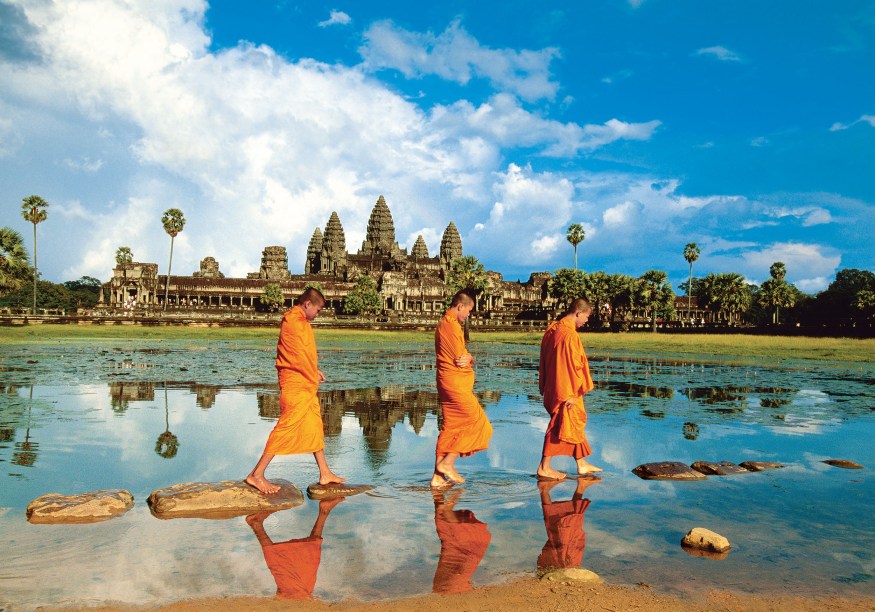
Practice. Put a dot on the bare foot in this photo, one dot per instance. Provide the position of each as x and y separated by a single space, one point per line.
262 484
584 483
550 474
330 478
449 472
258 517
584 467
325 505
439 482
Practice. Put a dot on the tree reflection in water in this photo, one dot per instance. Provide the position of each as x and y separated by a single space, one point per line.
167 444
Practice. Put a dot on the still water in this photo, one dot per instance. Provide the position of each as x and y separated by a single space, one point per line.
82 416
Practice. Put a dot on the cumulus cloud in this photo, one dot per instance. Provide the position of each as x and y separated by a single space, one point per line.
336 18
457 56
719 52
805 261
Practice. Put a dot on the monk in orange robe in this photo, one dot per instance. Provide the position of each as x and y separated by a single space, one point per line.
564 523
464 541
563 377
466 429
299 428
293 563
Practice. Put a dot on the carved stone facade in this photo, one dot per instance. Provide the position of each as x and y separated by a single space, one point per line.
411 284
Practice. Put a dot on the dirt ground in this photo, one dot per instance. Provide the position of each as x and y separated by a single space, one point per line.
532 594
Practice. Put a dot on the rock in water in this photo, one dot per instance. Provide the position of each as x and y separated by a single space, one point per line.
705 539
759 466
844 463
335 489
82 508
721 468
667 470
220 500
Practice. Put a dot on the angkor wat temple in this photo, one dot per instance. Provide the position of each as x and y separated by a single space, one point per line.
411 283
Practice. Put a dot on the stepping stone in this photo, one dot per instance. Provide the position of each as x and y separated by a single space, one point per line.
571 575
336 489
721 468
221 500
759 466
667 470
705 539
82 508
843 463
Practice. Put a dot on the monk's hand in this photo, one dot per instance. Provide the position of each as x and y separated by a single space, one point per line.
321 376
464 361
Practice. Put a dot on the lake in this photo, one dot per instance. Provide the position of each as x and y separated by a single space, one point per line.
79 416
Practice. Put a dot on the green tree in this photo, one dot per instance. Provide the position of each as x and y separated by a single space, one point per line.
33 210
466 273
847 300
691 254
272 297
173 221
364 298
14 268
726 294
575 236
596 289
622 292
566 285
775 292
656 295
124 255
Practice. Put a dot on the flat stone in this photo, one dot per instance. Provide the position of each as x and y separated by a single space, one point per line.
667 470
336 489
220 500
705 539
82 508
844 463
759 466
571 574
720 468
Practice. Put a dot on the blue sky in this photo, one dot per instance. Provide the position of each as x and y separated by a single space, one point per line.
746 127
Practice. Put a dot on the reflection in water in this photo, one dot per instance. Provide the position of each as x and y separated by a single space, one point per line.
167 445
25 452
691 430
564 523
464 541
293 563
121 394
635 389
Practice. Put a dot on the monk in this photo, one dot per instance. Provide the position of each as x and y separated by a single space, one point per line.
563 521
464 541
299 428
466 430
293 563
563 377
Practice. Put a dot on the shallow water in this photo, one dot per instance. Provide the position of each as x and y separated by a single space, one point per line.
81 416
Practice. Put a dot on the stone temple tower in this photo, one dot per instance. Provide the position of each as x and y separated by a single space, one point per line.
451 245
314 253
333 256
420 250
380 239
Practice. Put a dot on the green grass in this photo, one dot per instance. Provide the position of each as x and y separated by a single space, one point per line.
698 345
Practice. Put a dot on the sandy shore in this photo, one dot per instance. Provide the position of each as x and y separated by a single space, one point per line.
532 594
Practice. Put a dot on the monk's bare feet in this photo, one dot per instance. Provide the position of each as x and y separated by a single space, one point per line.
325 505
448 471
550 474
584 467
330 478
258 517
584 483
439 482
262 484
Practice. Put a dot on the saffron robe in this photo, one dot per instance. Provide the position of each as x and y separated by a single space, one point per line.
466 429
565 536
463 545
299 428
294 565
563 374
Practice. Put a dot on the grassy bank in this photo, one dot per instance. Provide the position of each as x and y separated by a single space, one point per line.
699 345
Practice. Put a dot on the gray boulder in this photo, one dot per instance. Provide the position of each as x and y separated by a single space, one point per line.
844 463
759 466
721 468
335 489
82 508
667 470
220 500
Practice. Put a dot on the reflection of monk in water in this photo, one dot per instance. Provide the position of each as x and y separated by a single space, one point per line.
564 523
293 563
464 541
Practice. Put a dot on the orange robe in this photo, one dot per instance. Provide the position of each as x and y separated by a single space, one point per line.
463 545
563 374
294 565
466 429
565 536
299 428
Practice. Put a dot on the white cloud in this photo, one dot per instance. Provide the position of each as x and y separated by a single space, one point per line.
719 52
805 261
812 285
336 18
836 127
810 215
457 56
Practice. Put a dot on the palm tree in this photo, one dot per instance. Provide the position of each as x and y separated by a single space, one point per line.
14 268
33 209
575 236
691 254
173 222
124 255
655 292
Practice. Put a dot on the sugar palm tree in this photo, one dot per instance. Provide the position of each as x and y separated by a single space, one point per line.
691 254
575 236
14 267
173 222
33 209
